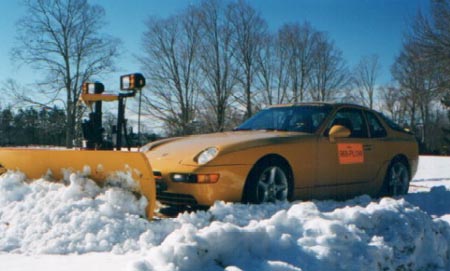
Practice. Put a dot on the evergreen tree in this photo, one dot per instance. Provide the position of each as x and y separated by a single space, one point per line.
6 127
32 127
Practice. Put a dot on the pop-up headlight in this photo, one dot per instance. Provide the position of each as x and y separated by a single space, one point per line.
207 155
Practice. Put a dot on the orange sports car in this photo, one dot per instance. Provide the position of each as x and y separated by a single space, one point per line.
288 152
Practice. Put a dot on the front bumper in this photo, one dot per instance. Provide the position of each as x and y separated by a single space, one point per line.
229 188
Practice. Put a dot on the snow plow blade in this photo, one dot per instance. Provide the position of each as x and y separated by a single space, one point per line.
103 165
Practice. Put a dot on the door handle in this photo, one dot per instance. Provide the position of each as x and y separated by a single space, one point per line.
367 147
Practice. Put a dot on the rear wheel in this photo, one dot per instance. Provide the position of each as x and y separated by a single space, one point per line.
269 181
397 179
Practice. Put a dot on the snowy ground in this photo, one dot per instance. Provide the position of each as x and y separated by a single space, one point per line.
50 226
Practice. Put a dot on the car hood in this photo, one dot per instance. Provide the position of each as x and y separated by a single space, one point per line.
183 150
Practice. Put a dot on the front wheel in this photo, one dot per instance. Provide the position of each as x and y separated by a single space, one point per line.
268 182
397 179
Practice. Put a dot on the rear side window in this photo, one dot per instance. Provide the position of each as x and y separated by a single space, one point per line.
393 125
375 128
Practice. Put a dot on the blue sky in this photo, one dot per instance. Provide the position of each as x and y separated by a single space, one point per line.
358 27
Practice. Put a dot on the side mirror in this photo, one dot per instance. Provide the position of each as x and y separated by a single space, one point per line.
338 131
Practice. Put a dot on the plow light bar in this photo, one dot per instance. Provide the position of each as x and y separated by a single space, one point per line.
133 81
93 88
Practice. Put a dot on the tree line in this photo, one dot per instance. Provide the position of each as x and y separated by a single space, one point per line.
30 126
46 126
216 63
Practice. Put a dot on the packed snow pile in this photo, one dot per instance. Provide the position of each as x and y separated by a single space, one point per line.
407 233
357 235
49 217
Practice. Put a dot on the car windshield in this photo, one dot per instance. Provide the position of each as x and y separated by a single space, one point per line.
306 119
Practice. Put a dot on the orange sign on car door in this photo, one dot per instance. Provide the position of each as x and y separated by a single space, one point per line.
350 153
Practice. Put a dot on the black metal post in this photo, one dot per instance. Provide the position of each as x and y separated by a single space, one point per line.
139 119
98 138
120 120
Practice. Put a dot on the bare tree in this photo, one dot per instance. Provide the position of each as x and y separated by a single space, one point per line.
329 75
266 61
62 38
365 77
431 34
299 44
272 71
249 31
406 72
419 79
217 64
170 59
393 103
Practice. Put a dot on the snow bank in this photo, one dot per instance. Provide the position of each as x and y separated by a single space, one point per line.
382 235
50 218
432 168
409 233
47 217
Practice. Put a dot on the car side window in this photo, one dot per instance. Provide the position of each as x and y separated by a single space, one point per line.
376 129
353 120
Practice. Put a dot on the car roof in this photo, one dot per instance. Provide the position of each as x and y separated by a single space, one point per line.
334 105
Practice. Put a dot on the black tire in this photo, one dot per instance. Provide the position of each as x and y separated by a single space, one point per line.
396 181
269 181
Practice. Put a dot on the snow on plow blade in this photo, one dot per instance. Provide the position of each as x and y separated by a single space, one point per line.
103 165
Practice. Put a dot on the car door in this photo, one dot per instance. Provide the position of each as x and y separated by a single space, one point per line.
350 160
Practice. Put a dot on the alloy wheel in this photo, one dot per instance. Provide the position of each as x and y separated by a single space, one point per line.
398 179
272 185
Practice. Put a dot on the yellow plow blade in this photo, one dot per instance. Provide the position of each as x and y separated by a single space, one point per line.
36 163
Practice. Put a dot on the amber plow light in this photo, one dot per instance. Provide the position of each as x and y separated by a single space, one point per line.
92 88
133 81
